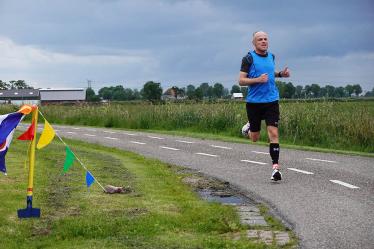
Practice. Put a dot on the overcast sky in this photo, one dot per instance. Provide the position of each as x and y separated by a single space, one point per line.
113 42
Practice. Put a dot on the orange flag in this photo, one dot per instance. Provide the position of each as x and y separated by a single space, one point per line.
29 134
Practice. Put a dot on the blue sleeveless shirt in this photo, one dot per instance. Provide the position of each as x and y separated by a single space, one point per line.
262 92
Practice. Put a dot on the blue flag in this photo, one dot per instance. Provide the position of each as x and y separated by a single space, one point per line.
89 179
8 124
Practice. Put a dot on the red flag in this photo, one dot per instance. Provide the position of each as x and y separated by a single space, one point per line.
29 134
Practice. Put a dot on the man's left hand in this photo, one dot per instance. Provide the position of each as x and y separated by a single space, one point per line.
285 73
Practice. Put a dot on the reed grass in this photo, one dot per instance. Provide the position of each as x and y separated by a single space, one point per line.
339 125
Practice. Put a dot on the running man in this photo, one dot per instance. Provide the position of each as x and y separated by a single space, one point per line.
258 73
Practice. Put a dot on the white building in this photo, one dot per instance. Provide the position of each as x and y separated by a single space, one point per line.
62 95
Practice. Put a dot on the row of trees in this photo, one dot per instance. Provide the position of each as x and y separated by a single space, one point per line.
152 91
14 84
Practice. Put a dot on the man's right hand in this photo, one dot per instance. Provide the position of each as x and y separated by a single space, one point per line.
263 78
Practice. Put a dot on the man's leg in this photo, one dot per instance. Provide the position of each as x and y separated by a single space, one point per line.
274 151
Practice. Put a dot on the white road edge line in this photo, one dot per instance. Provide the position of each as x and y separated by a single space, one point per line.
168 148
344 184
90 135
160 138
135 142
260 152
205 154
249 161
221 147
301 171
186 142
113 138
321 160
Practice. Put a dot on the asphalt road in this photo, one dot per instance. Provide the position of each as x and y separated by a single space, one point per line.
327 199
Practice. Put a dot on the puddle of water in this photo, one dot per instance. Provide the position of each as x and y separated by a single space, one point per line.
209 196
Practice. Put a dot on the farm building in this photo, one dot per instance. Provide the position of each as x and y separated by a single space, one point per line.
62 95
237 96
19 96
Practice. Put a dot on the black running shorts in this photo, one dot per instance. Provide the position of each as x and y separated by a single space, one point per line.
262 111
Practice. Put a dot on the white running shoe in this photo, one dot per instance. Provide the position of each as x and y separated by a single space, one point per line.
245 130
276 175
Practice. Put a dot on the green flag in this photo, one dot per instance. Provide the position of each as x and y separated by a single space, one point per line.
69 159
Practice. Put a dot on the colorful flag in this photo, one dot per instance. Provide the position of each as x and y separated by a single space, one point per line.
89 179
47 135
3 150
29 134
8 123
69 159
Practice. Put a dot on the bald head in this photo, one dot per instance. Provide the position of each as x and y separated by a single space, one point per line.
260 42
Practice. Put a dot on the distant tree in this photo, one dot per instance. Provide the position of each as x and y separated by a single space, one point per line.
218 90
198 93
340 92
152 91
4 85
357 89
190 91
330 91
128 94
205 89
315 90
118 93
298 91
370 93
91 96
244 90
235 89
289 90
210 92
106 93
136 94
226 93
349 90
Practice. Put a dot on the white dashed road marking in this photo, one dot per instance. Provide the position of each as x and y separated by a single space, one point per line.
301 171
260 152
249 161
71 132
221 147
186 142
90 135
160 138
321 160
76 128
129 134
205 154
135 142
344 184
111 132
169 148
113 138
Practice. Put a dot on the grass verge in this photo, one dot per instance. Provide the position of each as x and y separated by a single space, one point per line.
161 212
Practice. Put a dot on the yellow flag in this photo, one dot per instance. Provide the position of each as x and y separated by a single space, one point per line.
47 135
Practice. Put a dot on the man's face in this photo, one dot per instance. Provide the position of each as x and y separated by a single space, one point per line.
260 41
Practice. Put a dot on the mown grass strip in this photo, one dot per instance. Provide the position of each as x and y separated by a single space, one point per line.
161 212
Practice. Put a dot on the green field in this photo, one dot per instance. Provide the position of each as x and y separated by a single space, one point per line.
161 212
338 125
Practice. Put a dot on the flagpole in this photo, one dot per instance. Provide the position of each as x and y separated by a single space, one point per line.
30 211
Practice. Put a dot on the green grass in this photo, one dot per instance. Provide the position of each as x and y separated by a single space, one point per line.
161 212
